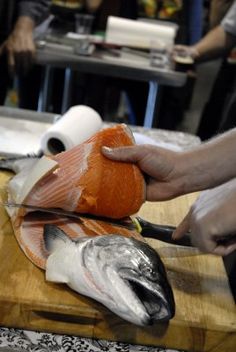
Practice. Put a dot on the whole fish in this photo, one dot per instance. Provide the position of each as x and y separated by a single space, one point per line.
111 264
124 274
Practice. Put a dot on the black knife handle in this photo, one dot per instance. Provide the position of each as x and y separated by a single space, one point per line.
162 233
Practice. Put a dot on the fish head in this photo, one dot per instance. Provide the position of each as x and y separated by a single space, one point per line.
124 274
136 278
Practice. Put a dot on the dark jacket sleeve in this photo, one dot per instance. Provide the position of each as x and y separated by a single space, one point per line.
38 10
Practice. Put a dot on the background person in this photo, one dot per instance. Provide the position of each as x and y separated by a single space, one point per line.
17 22
216 43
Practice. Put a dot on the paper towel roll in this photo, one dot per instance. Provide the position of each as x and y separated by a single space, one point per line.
123 31
74 127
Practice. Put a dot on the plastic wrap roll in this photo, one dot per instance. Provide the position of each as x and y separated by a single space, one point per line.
74 127
122 31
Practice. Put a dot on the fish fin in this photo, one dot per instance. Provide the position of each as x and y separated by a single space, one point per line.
54 237
55 270
5 164
55 240
17 164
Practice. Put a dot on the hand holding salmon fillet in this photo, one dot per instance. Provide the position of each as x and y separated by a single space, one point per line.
157 164
170 174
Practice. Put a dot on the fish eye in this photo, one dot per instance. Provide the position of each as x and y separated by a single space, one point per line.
147 271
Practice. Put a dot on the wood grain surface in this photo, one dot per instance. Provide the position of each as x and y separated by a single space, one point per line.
205 317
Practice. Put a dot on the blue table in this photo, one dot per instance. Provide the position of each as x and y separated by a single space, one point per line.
128 65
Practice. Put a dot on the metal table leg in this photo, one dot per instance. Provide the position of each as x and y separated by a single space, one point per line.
151 104
44 97
66 90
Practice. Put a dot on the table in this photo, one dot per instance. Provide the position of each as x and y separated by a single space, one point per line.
129 65
202 292
205 311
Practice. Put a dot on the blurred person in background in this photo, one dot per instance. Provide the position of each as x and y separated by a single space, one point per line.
17 49
212 115
217 43
218 9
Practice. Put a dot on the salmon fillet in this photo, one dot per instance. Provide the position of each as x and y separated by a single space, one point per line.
87 182
83 181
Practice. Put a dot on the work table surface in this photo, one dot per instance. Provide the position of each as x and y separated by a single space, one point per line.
127 65
205 317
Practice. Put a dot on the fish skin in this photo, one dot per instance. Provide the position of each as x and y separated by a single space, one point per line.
91 265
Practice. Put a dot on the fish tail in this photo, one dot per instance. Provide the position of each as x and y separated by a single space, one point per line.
13 163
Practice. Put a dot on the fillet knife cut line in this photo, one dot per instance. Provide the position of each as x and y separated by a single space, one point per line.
145 228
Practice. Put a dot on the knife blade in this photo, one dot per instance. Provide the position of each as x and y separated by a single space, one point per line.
78 216
145 228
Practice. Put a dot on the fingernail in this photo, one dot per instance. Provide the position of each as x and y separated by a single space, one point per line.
107 150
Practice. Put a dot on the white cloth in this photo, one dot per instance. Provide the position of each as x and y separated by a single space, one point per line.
16 340
229 21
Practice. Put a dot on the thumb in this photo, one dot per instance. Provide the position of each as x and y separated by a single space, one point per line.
127 154
183 227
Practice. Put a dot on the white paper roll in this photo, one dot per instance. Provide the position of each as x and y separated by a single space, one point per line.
123 31
74 127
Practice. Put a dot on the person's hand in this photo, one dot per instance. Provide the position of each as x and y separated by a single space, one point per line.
212 219
92 5
159 166
20 47
184 54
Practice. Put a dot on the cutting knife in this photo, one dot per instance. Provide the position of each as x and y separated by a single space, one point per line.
145 228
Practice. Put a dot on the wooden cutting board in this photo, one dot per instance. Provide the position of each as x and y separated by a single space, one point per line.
205 317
